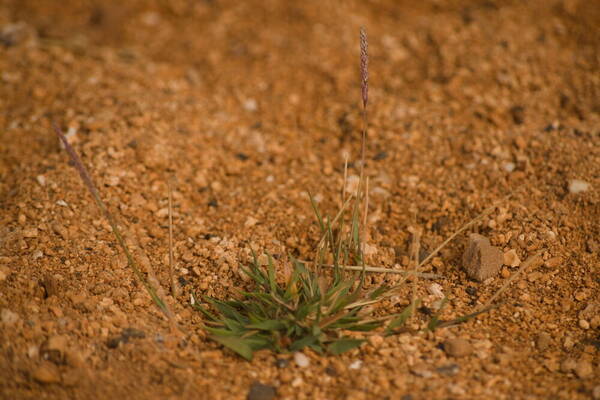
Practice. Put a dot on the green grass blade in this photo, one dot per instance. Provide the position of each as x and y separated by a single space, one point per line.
236 344
268 325
342 345
271 272
317 213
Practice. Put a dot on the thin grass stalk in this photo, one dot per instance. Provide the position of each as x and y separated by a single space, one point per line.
365 220
87 180
522 269
478 218
174 287
416 249
364 86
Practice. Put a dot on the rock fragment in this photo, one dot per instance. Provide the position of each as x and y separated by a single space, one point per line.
458 347
578 186
55 349
301 360
543 341
584 369
511 258
8 317
46 373
259 391
481 260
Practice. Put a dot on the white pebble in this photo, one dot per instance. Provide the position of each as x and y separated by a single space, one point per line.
301 360
578 186
250 105
509 167
8 317
355 365
436 290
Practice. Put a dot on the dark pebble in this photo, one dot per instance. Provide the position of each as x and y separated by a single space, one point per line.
115 341
471 291
282 362
242 156
382 155
331 371
258 391
448 370
425 311
132 333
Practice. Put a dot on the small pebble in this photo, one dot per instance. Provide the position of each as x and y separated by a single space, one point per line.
46 373
568 365
457 347
553 262
583 324
297 382
250 222
55 348
448 370
4 272
8 317
301 360
355 365
583 369
509 167
543 341
436 290
511 258
282 362
30 233
250 105
578 186
259 391
421 371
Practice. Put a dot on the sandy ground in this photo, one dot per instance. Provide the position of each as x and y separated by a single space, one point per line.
246 105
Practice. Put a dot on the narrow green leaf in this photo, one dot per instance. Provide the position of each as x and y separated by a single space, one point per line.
303 342
268 325
366 327
317 213
342 345
236 344
271 270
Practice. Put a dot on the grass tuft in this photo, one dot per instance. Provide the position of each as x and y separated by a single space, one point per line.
320 308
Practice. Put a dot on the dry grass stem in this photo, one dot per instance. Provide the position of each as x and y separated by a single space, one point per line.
174 287
150 286
424 275
478 218
514 276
